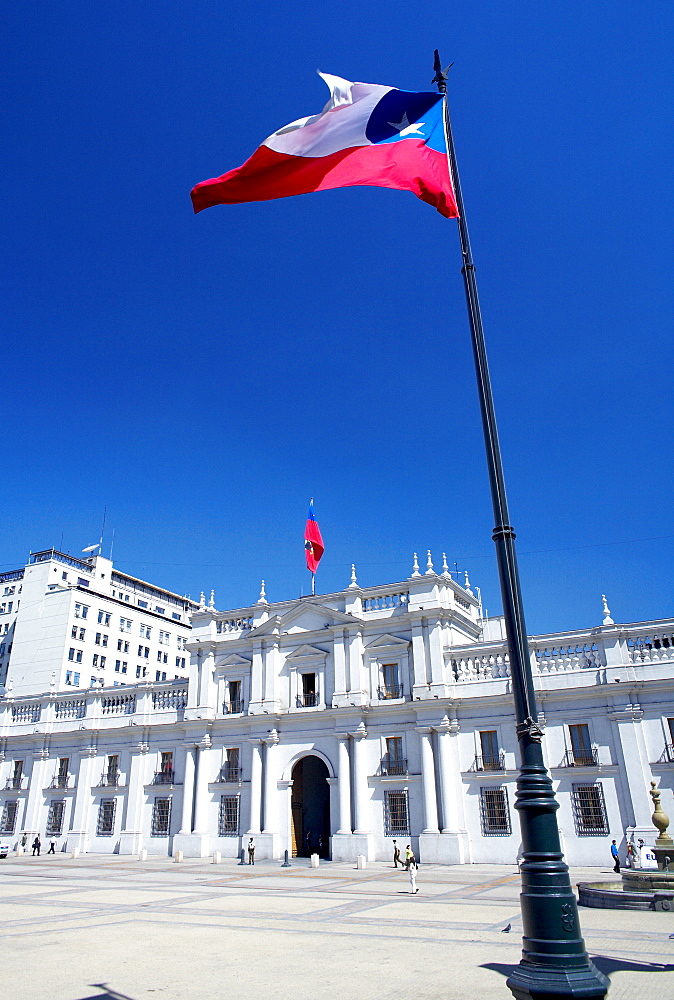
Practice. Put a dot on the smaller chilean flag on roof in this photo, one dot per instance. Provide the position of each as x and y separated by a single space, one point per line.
366 134
313 543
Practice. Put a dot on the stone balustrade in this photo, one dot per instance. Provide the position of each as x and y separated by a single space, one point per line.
224 626
118 704
71 708
623 646
175 698
386 601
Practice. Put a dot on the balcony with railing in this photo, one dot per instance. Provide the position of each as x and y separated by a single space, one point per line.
19 784
62 781
391 767
489 762
78 564
667 755
390 691
307 700
233 707
229 773
581 758
165 777
110 779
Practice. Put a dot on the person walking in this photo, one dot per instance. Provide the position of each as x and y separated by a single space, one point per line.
251 851
52 846
24 839
409 856
412 870
396 855
616 857
36 846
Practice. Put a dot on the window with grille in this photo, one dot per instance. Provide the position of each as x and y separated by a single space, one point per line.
228 820
106 818
161 817
396 814
589 810
55 817
494 812
8 821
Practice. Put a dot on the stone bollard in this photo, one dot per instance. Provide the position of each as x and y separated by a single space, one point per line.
142 856
243 856
286 863
315 860
178 857
76 852
217 857
361 862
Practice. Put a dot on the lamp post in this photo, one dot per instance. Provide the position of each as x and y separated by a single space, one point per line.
554 960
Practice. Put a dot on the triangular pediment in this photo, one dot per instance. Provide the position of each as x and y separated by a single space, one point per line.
386 641
309 616
307 651
233 661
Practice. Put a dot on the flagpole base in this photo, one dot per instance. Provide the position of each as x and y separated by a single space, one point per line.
532 981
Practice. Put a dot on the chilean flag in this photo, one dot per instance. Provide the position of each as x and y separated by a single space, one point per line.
366 134
313 543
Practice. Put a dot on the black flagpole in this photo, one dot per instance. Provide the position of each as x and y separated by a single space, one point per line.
554 961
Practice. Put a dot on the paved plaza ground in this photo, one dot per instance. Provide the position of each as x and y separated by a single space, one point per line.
111 928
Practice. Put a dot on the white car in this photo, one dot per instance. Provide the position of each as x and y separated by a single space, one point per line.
4 850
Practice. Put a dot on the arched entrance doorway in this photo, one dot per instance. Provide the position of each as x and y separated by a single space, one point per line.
310 803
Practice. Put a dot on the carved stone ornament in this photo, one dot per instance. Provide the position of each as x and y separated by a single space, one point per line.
530 728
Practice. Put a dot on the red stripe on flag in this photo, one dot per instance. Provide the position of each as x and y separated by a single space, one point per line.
408 165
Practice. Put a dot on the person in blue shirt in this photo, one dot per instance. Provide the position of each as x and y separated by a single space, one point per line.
616 857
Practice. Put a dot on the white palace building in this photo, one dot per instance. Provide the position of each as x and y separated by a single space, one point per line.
333 724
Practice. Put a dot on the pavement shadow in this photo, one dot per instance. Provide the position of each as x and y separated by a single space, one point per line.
107 994
606 965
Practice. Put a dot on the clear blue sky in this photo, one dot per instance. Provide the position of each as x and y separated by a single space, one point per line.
202 377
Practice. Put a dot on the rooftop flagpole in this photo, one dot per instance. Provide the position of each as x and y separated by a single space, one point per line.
554 960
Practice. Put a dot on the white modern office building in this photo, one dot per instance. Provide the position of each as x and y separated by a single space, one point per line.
333 724
68 622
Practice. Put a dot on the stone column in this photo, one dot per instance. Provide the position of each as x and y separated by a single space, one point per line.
344 784
36 792
456 847
420 684
256 680
188 792
198 772
438 684
270 784
356 695
255 787
271 659
428 781
79 833
634 769
203 776
360 785
207 688
131 837
339 653
269 840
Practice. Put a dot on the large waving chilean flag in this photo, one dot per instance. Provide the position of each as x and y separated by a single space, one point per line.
365 134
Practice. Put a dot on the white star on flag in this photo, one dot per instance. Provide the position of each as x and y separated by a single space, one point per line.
405 128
